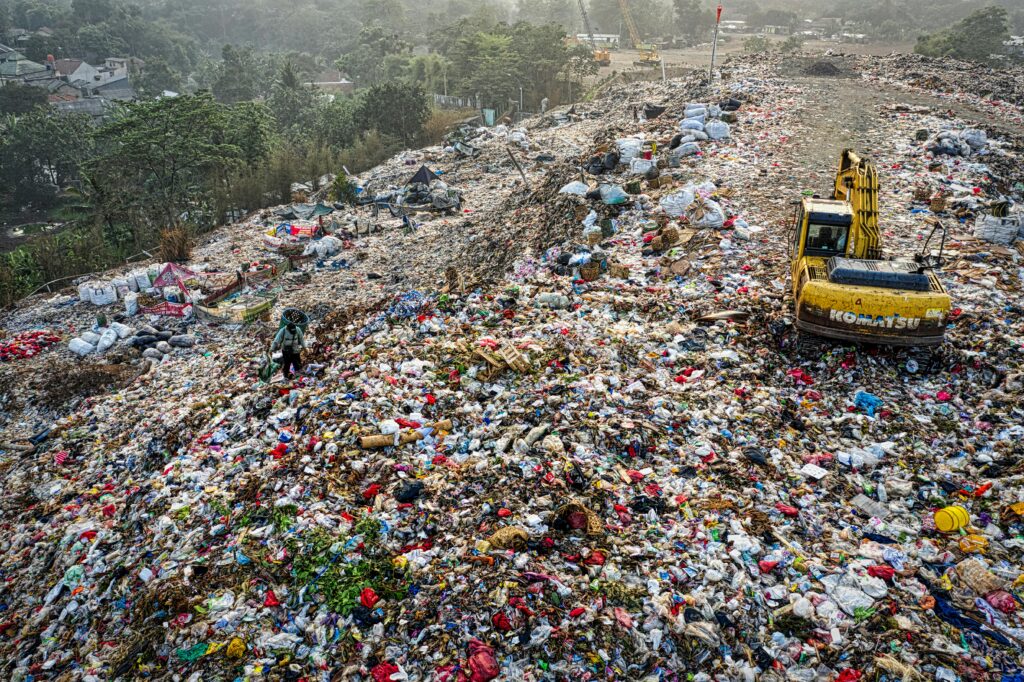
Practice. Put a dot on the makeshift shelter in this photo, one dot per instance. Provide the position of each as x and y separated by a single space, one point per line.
424 176
173 275
303 211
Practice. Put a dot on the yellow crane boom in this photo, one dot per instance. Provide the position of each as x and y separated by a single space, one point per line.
648 53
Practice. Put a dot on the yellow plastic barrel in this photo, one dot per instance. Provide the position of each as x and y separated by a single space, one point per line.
951 519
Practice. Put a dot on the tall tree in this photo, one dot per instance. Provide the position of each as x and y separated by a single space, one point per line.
292 103
237 75
335 123
156 78
693 19
379 54
394 109
41 150
155 159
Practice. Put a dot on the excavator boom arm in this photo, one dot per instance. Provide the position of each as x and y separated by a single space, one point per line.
627 16
857 183
586 25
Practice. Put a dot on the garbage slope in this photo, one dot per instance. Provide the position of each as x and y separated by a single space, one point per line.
539 444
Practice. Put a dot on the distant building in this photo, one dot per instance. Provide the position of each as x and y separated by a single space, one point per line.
332 82
72 84
770 29
116 89
15 67
1015 46
75 70
734 26
602 39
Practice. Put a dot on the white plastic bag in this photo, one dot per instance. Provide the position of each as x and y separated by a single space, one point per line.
80 347
122 331
640 166
143 280
629 148
997 230
131 303
102 294
85 291
675 204
107 339
717 130
684 150
706 215
575 187
975 137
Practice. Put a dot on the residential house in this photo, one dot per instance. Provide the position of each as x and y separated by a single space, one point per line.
332 82
75 70
96 107
19 36
115 89
15 67
1015 46
770 29
111 80
122 66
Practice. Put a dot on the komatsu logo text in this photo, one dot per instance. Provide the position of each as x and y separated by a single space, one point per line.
882 321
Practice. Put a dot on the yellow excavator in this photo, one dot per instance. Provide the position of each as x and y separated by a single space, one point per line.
842 289
648 51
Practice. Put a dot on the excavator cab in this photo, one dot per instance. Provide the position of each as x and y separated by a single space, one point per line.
842 289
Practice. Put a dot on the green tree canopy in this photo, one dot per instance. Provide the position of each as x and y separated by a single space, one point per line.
292 103
378 55
42 149
976 38
694 19
393 108
237 76
16 98
155 158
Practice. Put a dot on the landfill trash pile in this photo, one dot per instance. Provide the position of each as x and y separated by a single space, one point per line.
563 435
1000 91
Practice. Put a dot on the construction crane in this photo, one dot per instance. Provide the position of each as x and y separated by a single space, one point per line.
601 56
648 51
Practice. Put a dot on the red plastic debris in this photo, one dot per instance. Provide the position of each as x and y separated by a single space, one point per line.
483 665
27 345
382 672
787 510
883 572
501 622
368 597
